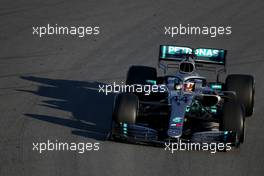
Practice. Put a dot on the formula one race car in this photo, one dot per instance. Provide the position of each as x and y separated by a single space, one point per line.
185 105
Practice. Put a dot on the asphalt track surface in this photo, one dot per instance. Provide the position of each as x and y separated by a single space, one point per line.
48 85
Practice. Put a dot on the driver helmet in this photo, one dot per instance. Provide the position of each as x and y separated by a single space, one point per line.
188 86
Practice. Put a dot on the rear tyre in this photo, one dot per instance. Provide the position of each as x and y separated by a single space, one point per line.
125 108
140 75
244 87
233 119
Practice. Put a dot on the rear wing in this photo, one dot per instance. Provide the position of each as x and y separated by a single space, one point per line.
199 55
208 59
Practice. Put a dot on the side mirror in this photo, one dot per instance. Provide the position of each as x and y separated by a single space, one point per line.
208 100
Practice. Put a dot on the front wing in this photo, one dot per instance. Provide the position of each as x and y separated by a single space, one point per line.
140 134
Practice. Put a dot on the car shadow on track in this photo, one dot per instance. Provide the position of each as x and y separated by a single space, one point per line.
91 110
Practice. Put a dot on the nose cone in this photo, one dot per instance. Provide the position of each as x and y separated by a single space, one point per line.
178 109
174 132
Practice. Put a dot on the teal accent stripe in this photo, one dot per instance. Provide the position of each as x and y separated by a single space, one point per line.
163 51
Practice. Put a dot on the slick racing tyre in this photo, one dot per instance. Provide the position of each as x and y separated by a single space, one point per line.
140 75
243 86
125 108
233 119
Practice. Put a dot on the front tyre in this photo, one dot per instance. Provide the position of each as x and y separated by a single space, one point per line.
125 108
233 119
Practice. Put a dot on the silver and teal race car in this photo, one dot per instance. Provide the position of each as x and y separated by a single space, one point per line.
185 105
